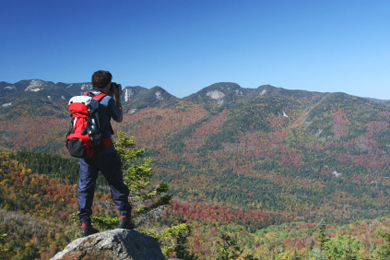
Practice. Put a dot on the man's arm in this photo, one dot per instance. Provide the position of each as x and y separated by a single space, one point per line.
119 106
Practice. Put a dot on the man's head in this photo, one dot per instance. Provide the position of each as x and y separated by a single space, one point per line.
100 79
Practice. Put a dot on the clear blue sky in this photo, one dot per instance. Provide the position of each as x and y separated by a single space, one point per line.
186 45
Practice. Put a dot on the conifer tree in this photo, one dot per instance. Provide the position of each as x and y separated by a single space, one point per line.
384 250
322 236
148 202
181 249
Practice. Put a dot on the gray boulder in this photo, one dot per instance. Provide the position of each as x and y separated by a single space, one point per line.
118 244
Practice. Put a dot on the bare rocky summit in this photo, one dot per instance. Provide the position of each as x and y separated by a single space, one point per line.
118 244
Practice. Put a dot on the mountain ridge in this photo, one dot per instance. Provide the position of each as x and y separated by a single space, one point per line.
223 140
80 87
233 157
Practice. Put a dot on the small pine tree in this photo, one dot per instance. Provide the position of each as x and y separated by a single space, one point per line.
181 249
384 250
322 236
148 203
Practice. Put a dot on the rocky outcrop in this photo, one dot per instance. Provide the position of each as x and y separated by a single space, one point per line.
118 244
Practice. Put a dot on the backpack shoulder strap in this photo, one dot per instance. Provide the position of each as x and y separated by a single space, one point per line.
99 97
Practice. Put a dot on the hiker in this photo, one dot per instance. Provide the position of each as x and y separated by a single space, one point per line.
107 161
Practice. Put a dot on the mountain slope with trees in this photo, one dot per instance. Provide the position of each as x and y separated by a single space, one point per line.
290 154
37 209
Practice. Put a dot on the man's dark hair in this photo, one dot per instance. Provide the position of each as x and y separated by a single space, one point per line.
100 79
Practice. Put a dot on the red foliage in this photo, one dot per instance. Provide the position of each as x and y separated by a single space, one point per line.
192 210
212 126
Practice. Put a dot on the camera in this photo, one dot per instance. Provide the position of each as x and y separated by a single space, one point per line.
113 86
115 90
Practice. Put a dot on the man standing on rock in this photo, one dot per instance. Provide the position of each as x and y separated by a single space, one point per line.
106 161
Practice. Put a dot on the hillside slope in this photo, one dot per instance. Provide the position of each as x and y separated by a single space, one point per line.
38 216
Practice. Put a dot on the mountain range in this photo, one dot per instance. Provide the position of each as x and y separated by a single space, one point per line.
289 154
58 94
136 97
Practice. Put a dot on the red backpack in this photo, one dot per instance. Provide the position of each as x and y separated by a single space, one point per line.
84 138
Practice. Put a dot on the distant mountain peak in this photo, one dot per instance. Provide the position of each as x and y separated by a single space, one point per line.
159 92
225 87
227 92
136 98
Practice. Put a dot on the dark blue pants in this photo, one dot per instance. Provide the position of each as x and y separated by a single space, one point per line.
110 167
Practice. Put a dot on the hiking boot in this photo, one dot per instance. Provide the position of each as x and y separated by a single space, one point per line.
88 229
125 223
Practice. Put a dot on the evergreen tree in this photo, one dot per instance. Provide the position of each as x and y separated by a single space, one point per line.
181 248
322 236
384 250
148 202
